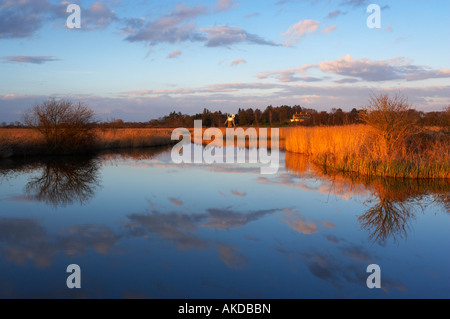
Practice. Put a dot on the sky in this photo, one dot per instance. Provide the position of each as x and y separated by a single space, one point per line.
139 60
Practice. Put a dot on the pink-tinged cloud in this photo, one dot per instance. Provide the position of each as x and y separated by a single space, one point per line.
12 96
290 75
97 16
231 257
224 5
215 88
298 223
328 224
176 202
357 253
299 30
238 61
174 54
330 29
236 193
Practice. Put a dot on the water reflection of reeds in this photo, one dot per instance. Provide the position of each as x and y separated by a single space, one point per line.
135 154
64 181
393 203
57 181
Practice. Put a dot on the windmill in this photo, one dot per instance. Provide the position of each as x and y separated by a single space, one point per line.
230 120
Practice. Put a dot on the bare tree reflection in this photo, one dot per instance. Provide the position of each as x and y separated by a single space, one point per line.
394 203
397 201
387 219
64 181
444 200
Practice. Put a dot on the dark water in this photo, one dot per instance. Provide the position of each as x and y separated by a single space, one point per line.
139 225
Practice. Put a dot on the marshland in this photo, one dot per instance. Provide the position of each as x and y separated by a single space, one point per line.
344 197
386 138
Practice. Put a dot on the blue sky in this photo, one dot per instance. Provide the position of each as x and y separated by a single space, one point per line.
139 60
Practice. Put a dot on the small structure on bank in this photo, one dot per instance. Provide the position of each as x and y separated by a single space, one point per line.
230 120
300 117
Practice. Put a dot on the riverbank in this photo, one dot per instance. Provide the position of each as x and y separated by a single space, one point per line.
351 148
20 142
28 142
359 149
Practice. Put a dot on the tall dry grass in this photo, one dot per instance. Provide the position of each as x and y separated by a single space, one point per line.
359 148
132 138
16 142
27 142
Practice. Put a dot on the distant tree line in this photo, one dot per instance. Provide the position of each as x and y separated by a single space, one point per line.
272 116
278 117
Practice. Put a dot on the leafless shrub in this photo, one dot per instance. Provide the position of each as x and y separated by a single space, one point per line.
390 116
66 126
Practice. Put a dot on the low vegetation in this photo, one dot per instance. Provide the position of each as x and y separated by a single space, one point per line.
58 127
388 139
29 142
66 127
389 144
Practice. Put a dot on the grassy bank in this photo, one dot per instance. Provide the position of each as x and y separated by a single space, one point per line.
359 149
29 142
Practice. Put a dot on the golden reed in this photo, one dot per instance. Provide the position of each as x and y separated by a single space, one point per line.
24 142
360 149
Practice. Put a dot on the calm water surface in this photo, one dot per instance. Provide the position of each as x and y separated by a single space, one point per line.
139 225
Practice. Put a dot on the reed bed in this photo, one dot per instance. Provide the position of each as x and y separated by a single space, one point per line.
132 138
360 149
16 142
28 142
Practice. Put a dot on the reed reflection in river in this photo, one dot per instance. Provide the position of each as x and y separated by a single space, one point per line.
64 181
194 230
393 203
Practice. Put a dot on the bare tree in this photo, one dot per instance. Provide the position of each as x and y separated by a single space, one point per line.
66 126
391 119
